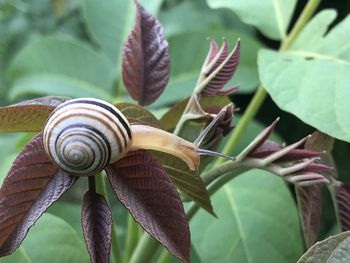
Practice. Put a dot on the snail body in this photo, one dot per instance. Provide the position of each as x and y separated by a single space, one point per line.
83 135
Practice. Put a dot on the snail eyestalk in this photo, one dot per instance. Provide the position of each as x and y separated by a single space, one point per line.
216 154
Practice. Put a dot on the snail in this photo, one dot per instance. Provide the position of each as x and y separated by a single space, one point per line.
83 136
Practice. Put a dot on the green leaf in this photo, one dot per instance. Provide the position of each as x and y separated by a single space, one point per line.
311 80
19 256
186 64
195 16
109 23
57 85
69 212
257 222
334 249
270 17
53 240
60 61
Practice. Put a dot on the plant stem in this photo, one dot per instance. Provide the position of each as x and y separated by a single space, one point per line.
304 17
131 238
248 115
260 94
145 249
101 188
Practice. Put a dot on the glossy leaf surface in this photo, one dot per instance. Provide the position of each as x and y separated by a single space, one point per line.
144 188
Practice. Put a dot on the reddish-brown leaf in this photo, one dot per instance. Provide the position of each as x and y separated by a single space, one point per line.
146 66
310 203
342 193
30 115
229 64
142 185
96 219
32 185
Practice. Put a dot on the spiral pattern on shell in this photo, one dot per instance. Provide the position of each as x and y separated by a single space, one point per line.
83 135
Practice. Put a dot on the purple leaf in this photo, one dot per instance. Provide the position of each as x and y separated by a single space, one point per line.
146 63
96 217
213 50
342 193
142 185
226 64
32 185
30 115
310 203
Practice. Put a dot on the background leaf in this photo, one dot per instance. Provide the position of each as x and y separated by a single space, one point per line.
58 239
257 222
142 185
96 219
19 256
146 64
75 64
270 17
311 79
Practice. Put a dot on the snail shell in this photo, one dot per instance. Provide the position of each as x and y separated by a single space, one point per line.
83 135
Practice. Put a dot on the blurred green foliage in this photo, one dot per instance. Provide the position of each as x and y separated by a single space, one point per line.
73 48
